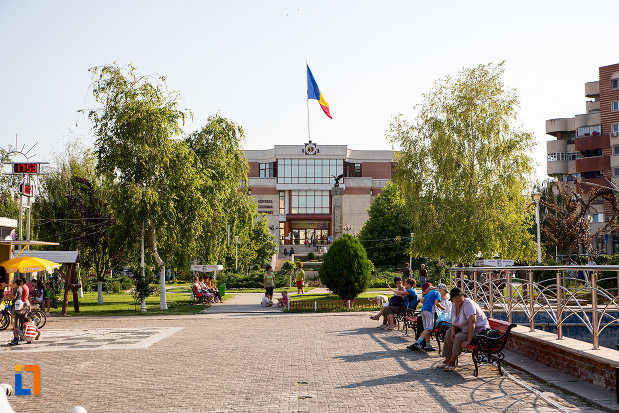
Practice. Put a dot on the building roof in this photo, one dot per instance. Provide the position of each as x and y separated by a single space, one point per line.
62 257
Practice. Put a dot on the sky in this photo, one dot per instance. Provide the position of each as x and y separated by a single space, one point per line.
245 60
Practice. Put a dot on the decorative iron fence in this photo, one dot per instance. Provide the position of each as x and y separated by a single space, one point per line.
334 305
589 293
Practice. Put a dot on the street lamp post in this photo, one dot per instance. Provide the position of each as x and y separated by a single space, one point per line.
410 256
537 197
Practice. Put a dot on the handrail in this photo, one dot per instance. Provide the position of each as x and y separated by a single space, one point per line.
539 267
560 297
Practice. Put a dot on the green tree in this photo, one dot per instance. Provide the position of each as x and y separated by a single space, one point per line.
9 208
345 269
386 234
465 169
72 209
218 146
155 180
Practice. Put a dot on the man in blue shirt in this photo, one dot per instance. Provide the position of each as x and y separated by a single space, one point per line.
431 299
410 301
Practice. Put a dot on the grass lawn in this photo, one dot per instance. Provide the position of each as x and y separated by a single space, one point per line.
327 296
122 304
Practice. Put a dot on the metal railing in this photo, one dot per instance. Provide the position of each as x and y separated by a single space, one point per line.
573 291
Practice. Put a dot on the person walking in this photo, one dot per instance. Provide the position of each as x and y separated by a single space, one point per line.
300 278
269 283
423 275
406 272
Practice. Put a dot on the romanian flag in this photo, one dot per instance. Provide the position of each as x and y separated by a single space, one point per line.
314 93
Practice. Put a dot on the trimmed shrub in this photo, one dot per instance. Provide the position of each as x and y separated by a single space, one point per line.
116 286
311 256
346 269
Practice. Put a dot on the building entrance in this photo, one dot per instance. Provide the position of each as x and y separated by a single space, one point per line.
308 232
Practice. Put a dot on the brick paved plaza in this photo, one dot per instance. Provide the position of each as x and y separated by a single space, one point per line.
236 357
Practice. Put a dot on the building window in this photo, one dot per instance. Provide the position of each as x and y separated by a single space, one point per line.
616 172
282 233
572 156
592 174
282 202
352 169
615 127
589 131
309 171
570 136
596 218
616 150
310 202
615 105
267 170
614 83
591 153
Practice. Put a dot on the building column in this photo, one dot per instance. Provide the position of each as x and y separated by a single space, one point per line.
336 202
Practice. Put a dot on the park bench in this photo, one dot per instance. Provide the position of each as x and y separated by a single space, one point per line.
488 347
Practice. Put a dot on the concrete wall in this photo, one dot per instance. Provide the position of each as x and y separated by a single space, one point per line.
355 210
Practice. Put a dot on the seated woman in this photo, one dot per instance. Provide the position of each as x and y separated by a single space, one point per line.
210 285
199 291
38 295
467 319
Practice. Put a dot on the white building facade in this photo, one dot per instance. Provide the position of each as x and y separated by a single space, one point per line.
293 185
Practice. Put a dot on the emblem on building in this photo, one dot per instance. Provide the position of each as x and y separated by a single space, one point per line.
310 148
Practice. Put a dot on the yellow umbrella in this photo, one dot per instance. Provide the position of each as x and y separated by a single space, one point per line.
28 264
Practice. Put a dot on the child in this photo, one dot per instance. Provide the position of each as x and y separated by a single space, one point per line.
283 302
30 330
265 302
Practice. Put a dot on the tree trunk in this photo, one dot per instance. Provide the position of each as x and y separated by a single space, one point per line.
100 292
81 292
73 278
143 306
67 285
163 305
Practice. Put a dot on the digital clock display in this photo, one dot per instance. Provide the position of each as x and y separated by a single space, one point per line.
25 168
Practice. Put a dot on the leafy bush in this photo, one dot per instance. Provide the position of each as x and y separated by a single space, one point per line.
116 286
311 256
346 269
143 290
186 276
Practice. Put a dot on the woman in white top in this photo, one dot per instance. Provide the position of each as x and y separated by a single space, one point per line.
467 318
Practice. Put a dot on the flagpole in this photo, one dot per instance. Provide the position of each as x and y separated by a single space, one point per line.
307 101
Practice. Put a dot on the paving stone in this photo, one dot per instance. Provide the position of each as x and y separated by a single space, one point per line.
273 362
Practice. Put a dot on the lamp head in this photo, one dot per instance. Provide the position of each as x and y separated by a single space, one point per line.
537 196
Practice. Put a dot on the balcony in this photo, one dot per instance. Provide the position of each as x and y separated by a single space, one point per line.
556 168
587 143
559 125
556 146
595 163
590 119
592 89
593 106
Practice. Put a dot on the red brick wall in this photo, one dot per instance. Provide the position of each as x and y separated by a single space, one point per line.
573 363
607 95
263 190
254 169
376 170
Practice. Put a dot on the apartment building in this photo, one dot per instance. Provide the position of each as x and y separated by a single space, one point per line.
586 146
